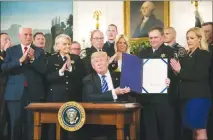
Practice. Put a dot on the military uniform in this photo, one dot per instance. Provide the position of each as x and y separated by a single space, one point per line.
158 112
63 88
109 47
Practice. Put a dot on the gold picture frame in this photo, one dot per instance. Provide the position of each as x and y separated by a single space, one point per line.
132 22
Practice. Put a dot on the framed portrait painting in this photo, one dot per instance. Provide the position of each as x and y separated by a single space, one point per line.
141 16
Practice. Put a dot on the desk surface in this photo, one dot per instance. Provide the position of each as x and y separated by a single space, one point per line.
87 106
107 113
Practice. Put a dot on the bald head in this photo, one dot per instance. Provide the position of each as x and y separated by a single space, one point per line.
147 8
25 36
97 39
169 35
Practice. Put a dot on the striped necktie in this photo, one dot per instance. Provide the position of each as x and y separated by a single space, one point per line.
104 84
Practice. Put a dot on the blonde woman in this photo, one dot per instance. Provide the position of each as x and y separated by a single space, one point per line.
193 86
121 46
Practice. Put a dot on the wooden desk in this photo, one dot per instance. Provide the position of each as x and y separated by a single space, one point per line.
96 113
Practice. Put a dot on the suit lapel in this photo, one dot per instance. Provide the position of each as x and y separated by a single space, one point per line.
158 52
19 51
97 81
149 53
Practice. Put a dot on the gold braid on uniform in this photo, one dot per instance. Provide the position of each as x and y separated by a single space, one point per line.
1 58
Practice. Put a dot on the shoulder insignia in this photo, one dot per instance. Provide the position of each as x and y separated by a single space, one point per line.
1 58
83 53
71 116
54 53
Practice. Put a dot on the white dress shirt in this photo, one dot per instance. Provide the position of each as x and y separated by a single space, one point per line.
22 47
119 64
108 79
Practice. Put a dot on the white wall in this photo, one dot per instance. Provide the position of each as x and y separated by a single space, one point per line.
181 17
84 23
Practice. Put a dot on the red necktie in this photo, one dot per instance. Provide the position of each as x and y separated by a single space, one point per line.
25 81
25 49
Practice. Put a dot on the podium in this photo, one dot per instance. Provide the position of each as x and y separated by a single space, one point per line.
117 114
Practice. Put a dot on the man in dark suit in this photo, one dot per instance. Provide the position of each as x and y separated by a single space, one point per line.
170 40
100 86
97 41
24 84
112 32
4 118
148 21
208 30
158 112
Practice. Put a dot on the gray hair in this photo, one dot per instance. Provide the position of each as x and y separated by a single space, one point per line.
57 40
22 28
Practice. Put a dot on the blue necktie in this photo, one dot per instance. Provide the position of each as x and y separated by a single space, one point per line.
104 84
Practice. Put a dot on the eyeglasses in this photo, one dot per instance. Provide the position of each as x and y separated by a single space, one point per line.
97 39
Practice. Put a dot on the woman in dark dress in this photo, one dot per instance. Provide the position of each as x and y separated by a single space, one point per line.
193 86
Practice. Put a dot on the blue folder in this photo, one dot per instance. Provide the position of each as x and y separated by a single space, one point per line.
131 72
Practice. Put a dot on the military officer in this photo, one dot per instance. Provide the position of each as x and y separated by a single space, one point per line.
158 112
63 69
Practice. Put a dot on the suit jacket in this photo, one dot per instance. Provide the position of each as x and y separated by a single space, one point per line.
194 75
211 69
92 88
109 47
63 88
148 53
150 23
18 74
2 82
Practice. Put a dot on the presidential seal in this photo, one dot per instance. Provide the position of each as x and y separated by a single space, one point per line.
71 116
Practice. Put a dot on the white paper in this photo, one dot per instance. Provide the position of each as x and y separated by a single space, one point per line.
155 72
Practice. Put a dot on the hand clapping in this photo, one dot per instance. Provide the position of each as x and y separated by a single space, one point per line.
175 65
31 53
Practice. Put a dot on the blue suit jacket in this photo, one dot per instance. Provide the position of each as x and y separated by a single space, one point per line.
19 73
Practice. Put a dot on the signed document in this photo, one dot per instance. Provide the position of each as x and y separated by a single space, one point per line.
154 74
144 76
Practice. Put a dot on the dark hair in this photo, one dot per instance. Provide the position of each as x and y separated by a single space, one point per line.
114 26
37 33
160 29
3 34
207 23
